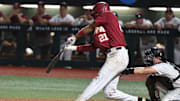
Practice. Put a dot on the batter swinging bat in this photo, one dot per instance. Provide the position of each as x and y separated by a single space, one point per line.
54 60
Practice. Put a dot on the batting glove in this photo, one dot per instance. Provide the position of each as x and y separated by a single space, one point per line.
70 47
71 40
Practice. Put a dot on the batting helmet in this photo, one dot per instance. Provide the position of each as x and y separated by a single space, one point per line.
100 8
151 53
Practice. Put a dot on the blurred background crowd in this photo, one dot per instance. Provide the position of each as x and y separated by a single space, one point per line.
38 45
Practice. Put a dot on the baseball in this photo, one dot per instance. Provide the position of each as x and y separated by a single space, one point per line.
29 51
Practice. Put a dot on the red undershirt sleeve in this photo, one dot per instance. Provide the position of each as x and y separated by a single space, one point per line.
88 47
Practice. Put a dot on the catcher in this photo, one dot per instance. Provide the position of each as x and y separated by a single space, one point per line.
164 76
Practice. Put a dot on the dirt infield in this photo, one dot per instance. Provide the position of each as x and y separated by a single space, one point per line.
60 72
56 72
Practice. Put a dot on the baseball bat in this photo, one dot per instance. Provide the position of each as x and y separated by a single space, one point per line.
54 61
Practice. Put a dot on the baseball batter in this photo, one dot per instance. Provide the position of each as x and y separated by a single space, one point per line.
113 43
165 76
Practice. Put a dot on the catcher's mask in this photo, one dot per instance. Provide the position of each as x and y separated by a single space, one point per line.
151 53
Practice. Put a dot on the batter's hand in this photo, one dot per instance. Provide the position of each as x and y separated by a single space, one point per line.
70 47
71 40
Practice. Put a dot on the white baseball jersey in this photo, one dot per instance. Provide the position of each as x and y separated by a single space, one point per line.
162 21
168 70
58 18
145 21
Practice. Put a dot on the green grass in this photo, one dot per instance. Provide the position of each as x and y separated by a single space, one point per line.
66 88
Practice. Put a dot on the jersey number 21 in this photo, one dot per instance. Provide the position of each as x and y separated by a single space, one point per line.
103 37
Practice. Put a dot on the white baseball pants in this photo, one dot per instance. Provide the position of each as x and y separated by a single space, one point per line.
108 77
169 95
173 95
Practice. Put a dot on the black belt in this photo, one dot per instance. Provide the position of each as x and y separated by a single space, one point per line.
117 48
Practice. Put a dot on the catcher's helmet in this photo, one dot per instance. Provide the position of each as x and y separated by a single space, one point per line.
151 53
100 8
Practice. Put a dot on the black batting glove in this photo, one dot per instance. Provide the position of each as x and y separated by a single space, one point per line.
128 71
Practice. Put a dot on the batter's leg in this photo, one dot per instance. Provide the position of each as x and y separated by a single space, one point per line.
97 84
115 63
111 92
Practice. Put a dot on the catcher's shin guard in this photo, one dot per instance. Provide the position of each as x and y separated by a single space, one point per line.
151 86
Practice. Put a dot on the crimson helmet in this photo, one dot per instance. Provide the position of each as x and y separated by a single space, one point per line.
100 8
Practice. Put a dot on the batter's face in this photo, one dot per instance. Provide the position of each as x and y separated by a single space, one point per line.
88 14
92 14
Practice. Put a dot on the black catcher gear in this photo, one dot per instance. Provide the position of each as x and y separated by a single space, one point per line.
151 83
151 53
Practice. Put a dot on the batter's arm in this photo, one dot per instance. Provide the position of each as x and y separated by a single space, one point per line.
86 30
88 47
80 48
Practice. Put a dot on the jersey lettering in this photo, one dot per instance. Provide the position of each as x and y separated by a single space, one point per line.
103 37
